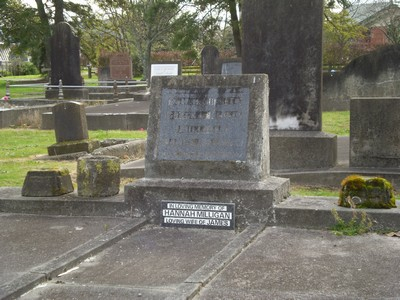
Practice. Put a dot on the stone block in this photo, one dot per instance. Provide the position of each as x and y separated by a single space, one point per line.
73 147
98 176
360 192
291 150
47 183
253 200
374 132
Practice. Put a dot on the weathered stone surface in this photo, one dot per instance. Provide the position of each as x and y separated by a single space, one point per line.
361 192
253 199
284 40
98 176
374 132
120 66
210 60
65 56
293 150
70 122
209 127
73 147
231 66
47 183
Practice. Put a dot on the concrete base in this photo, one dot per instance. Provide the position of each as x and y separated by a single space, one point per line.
73 147
253 200
307 150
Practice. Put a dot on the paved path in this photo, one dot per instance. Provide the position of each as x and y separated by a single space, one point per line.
119 258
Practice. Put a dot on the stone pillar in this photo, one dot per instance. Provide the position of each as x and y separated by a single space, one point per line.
284 40
98 176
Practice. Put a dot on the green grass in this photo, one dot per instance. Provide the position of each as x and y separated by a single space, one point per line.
20 147
297 190
336 122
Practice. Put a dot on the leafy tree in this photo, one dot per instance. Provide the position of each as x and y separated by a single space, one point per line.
341 38
138 26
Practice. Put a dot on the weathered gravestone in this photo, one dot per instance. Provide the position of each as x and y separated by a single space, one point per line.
231 66
210 60
65 62
374 132
284 40
47 183
120 66
207 145
71 130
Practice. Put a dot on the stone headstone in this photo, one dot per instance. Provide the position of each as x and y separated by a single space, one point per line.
207 144
70 122
166 69
65 56
231 66
284 40
210 60
71 130
374 132
120 66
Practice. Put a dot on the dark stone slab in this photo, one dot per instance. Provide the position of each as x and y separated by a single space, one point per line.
210 60
47 183
70 122
209 127
374 132
87 146
65 56
284 40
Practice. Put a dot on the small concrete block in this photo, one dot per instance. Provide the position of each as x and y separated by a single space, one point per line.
73 147
98 176
47 183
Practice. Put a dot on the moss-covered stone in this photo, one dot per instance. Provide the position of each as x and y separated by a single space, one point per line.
47 183
73 147
98 176
361 192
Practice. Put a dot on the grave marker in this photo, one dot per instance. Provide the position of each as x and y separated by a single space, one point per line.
120 66
166 69
207 145
210 60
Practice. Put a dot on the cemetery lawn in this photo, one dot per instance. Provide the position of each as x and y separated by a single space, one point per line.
20 148
336 122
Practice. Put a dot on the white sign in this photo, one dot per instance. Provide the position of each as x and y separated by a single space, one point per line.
198 214
164 70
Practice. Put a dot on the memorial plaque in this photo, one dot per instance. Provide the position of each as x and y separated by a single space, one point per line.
198 214
120 66
205 124
164 69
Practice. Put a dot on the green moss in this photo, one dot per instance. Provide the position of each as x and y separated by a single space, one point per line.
374 192
113 166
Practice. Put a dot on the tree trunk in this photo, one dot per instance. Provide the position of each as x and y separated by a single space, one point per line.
59 11
45 48
235 23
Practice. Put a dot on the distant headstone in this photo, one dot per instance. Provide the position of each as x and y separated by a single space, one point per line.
166 69
120 66
65 56
207 148
71 130
210 60
231 66
284 40
70 122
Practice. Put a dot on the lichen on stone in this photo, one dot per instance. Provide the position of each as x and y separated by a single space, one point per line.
363 192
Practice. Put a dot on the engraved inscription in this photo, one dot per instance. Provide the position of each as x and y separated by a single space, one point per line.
204 124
